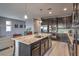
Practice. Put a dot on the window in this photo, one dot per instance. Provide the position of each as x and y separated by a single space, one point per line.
8 22
8 26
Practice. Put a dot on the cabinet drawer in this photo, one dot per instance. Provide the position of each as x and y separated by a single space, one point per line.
36 51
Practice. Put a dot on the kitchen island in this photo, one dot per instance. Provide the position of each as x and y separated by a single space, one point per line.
32 45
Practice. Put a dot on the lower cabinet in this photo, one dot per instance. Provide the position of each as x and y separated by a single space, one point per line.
50 43
42 47
46 45
38 48
35 49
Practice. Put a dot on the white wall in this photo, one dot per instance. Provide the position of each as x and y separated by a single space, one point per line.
30 24
17 30
0 28
3 27
14 30
35 25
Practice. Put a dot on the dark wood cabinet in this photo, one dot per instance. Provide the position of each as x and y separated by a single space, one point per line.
38 48
46 45
42 47
35 49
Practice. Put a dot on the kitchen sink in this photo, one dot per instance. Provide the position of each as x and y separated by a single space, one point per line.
38 36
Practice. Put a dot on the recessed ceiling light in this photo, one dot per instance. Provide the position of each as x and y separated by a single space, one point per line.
41 9
50 12
65 9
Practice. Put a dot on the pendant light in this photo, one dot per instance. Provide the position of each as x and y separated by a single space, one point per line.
25 16
41 15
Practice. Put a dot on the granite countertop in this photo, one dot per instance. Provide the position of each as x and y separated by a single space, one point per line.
29 39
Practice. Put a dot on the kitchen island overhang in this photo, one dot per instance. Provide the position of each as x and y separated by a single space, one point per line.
32 45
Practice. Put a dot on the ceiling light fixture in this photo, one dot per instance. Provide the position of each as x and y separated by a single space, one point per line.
41 15
50 12
65 9
25 16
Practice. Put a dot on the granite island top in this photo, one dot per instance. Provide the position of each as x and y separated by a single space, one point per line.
29 39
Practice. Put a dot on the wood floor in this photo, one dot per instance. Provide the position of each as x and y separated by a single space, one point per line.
78 50
58 49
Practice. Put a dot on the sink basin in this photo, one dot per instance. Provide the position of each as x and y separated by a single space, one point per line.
38 36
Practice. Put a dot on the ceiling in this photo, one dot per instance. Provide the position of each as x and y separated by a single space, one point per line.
17 10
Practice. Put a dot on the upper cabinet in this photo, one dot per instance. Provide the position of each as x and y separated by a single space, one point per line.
69 22
61 22
57 23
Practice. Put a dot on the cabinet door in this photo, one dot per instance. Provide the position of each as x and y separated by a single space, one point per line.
46 44
24 50
42 49
42 46
36 49
49 43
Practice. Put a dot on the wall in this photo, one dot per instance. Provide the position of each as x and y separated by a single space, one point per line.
14 30
2 28
30 24
34 25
